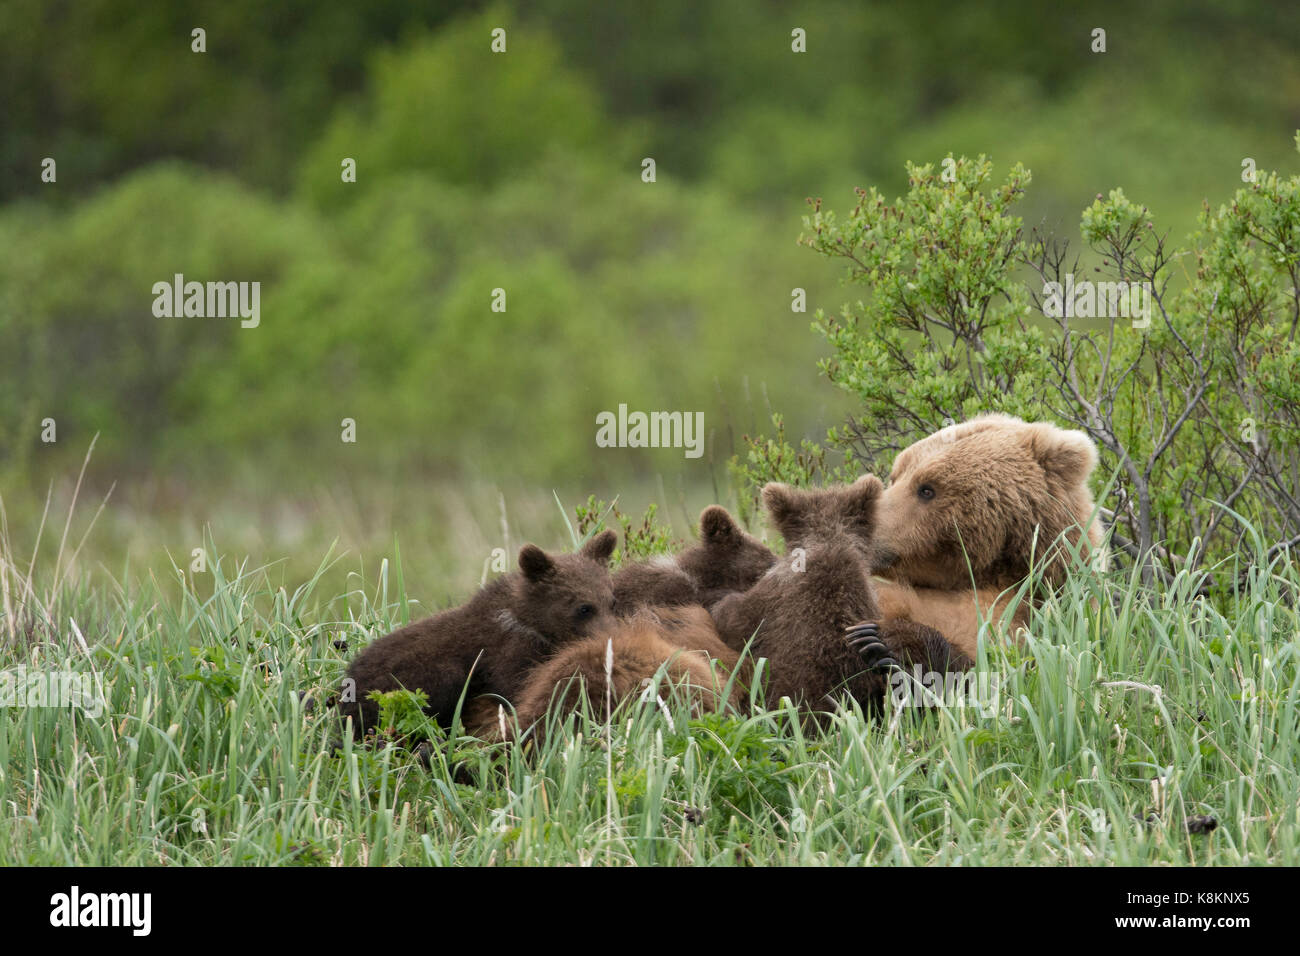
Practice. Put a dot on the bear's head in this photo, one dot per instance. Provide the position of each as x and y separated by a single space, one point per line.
979 501
565 596
818 515
726 559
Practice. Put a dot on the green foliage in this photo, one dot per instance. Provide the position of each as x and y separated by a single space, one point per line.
83 344
418 118
1248 271
214 673
943 333
1187 390
1129 712
638 540
1211 380
749 770
103 88
383 315
401 713
775 459
525 177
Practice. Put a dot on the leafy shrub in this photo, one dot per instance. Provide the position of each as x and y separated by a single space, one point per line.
637 541
421 113
1191 398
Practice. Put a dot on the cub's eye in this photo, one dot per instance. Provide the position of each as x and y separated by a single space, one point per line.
925 492
584 611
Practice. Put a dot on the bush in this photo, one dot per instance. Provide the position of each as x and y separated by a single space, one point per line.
1188 389
419 115
381 312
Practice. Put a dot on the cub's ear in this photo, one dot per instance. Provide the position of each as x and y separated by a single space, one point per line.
785 506
601 546
534 562
1067 456
866 489
717 527
860 500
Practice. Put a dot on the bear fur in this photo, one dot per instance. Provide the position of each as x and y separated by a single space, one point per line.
681 641
969 508
490 644
725 560
956 614
799 614
664 601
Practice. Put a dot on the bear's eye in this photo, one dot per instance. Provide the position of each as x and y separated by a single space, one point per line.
584 611
925 492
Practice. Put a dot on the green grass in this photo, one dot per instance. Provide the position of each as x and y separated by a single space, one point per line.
1126 714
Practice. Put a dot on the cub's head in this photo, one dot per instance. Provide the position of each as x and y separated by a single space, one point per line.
995 492
817 515
726 559
566 596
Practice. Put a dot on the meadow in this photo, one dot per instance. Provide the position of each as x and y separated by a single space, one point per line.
1136 725
466 252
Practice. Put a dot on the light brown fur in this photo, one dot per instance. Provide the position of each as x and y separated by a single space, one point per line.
681 641
954 614
969 508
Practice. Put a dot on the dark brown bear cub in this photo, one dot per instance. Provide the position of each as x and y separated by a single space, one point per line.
726 560
815 616
490 644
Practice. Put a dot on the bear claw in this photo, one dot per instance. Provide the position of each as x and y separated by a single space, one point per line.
865 639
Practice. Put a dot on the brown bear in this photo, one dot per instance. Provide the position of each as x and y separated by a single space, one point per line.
815 616
969 508
665 598
725 560
490 644
681 641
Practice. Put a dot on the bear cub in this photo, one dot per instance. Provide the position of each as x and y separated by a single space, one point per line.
662 603
490 644
815 616
726 560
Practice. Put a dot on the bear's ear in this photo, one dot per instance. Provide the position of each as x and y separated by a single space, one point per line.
785 506
1066 456
860 503
601 546
717 527
534 562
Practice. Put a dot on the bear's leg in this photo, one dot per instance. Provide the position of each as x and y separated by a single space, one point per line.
904 646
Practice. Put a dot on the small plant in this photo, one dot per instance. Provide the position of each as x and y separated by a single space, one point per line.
749 771
775 459
401 715
639 540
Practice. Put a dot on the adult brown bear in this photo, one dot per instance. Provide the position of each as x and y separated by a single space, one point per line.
970 509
